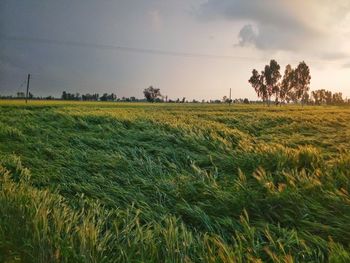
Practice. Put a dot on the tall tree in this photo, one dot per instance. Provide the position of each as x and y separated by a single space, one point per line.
338 98
272 76
328 96
316 96
287 84
302 78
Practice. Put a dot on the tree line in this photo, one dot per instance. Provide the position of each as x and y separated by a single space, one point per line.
293 86
323 96
150 95
88 96
269 84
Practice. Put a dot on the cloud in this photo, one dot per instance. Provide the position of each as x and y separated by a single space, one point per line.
268 37
333 55
247 35
281 24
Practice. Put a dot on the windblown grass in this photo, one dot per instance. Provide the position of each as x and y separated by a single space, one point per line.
108 182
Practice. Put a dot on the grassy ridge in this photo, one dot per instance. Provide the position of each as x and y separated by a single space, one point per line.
108 182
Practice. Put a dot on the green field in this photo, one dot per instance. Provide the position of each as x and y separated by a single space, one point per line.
123 182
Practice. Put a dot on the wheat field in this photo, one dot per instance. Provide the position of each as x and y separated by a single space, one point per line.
137 182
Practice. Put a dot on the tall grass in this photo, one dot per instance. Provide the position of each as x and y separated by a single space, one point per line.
153 183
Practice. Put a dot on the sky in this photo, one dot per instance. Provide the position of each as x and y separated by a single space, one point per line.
197 49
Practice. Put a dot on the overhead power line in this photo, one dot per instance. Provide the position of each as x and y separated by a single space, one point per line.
127 49
162 52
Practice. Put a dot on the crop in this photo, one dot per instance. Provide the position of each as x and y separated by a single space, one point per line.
124 182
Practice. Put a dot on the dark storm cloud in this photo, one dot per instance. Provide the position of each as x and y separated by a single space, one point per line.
71 42
279 24
81 21
247 35
267 12
269 37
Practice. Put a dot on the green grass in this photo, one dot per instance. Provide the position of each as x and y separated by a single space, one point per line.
123 182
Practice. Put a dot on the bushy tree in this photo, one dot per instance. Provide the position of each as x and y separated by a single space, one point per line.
90 97
108 97
338 98
70 96
258 83
151 94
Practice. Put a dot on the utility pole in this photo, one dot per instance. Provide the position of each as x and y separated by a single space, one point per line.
230 98
27 88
